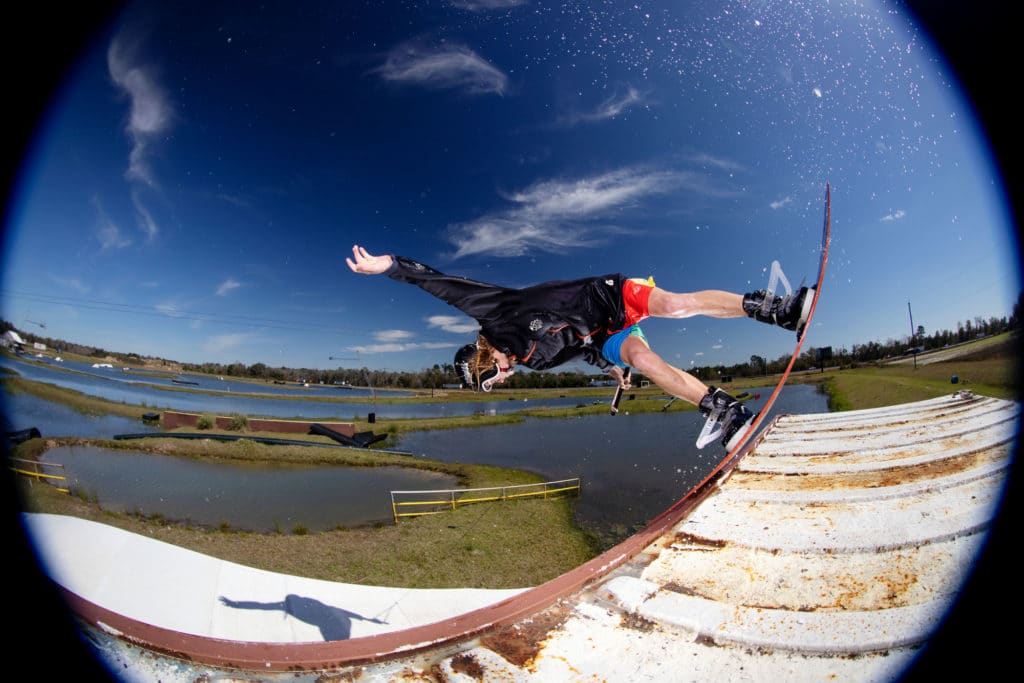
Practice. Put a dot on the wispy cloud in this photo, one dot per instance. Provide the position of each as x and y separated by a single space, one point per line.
392 335
225 342
558 214
150 113
394 341
144 218
453 323
609 108
449 67
235 200
72 283
895 215
705 159
483 5
396 347
779 203
227 286
108 233
169 308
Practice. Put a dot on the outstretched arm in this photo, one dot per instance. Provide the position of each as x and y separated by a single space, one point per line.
367 263
475 299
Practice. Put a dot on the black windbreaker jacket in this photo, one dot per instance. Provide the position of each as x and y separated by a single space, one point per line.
542 326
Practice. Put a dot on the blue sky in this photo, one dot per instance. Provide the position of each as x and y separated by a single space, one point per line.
202 174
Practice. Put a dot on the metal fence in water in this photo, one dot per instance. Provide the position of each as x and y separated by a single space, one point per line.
444 500
37 474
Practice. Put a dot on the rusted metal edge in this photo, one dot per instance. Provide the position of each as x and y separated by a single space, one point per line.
270 657
942 406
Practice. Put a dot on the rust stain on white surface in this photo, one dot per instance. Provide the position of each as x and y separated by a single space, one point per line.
832 550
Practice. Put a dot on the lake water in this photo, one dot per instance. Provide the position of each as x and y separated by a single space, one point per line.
82 372
56 419
254 498
632 467
114 384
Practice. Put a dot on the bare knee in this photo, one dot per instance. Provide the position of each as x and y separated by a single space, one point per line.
640 357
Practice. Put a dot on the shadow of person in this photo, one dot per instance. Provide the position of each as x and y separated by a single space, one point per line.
334 623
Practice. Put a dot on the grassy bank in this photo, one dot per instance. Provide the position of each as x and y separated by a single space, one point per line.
496 545
889 385
987 367
87 405
509 544
492 545
591 401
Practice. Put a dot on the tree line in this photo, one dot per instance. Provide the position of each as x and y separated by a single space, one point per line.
443 375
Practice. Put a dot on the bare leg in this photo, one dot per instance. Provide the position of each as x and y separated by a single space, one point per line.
639 356
710 302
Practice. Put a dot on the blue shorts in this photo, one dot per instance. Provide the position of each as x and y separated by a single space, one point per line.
612 350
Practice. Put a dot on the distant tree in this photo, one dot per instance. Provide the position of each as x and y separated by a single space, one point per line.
444 373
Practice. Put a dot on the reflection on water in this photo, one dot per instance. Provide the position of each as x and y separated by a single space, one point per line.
254 498
23 411
154 397
73 371
633 466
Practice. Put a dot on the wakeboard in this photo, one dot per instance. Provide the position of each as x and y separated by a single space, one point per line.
709 434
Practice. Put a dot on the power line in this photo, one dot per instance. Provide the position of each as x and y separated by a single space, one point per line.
176 314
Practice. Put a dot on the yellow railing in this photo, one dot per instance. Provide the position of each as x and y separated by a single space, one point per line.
444 500
37 474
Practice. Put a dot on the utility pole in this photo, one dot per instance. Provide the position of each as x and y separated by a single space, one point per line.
913 345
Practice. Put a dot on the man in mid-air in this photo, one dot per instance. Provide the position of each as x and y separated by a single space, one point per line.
594 319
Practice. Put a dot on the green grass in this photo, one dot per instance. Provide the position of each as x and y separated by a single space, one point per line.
876 387
988 368
509 544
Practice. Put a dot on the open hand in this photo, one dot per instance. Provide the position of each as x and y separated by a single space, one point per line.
366 263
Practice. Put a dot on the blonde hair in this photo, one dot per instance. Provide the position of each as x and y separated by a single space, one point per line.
483 356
